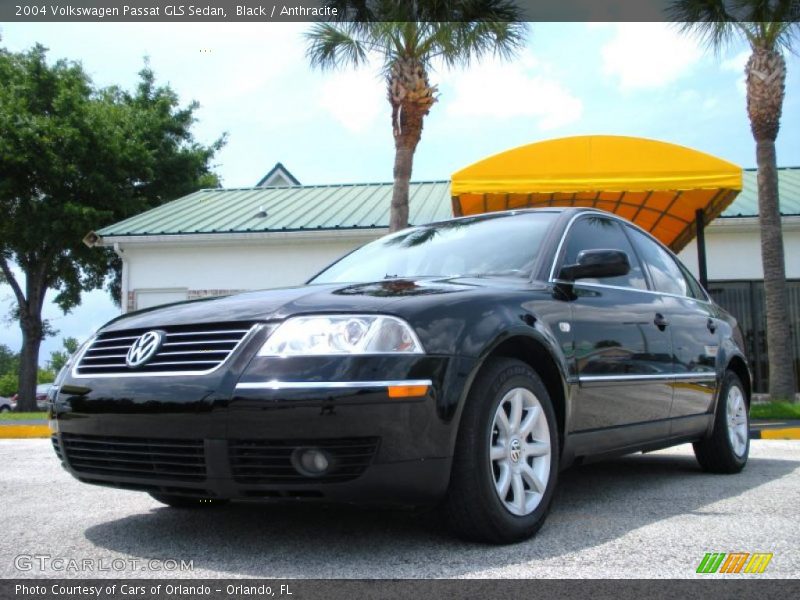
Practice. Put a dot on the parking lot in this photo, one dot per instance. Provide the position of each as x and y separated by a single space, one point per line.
653 515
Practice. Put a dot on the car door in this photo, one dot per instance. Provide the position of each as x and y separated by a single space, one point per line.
693 326
622 349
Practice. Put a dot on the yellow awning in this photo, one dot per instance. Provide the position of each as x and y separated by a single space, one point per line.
658 186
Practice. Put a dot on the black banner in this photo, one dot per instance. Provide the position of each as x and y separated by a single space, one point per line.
298 10
340 589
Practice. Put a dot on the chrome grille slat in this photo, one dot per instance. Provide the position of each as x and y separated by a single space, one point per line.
217 332
194 350
200 343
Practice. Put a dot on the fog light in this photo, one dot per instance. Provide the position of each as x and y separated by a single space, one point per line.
311 462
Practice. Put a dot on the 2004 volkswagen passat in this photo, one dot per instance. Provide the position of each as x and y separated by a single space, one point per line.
463 363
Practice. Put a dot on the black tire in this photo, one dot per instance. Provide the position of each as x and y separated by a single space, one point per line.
716 453
5 408
175 501
472 507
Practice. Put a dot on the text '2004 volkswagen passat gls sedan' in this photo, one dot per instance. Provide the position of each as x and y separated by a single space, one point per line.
462 363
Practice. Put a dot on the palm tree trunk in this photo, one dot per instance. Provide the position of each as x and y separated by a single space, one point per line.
404 147
411 97
779 342
766 75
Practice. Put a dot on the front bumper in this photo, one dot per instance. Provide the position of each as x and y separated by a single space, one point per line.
229 436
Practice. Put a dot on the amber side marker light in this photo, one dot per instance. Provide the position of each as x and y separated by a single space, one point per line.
407 391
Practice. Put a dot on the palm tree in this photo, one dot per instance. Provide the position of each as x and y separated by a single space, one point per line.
409 37
769 27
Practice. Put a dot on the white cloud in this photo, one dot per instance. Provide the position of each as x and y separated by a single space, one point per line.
355 98
736 63
512 90
648 55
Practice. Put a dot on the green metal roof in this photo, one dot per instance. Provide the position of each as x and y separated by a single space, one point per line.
356 206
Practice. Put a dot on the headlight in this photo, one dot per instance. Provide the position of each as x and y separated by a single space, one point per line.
342 334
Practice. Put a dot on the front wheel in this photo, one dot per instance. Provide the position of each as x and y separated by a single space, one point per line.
5 408
726 450
506 459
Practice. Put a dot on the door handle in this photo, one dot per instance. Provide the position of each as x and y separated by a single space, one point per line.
660 321
712 327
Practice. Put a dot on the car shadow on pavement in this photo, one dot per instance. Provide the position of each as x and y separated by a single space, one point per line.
595 504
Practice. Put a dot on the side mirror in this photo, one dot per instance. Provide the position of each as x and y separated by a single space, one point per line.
597 264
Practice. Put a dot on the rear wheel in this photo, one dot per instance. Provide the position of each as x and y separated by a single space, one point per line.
5 408
506 460
726 450
176 501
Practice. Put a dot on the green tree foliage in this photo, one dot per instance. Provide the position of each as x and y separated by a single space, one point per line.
74 158
8 384
9 360
58 358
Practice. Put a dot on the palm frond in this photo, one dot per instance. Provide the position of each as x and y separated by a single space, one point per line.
331 46
771 24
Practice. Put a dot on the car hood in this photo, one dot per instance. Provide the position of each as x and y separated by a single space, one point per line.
280 303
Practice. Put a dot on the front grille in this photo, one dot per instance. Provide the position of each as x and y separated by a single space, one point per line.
186 349
56 447
143 458
270 461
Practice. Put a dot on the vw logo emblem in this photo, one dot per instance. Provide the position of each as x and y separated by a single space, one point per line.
143 348
515 450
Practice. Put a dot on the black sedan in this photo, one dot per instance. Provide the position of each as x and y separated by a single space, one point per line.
462 363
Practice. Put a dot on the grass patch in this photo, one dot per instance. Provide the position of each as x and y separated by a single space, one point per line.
775 410
25 416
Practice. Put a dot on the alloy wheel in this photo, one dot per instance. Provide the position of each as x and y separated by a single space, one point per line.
737 420
519 451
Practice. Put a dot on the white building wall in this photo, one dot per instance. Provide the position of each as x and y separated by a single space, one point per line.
733 250
158 271
167 272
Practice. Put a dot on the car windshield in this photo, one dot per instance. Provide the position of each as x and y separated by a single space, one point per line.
501 244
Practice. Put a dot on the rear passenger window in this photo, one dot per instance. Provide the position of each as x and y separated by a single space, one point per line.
599 233
664 270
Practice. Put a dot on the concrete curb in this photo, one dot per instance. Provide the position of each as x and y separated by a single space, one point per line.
786 433
775 429
24 431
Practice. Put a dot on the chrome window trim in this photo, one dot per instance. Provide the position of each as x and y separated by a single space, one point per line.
699 376
553 279
75 375
328 385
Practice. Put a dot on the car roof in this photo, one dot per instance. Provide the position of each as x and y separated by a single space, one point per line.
516 211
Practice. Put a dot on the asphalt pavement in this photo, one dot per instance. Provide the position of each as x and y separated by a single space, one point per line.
642 516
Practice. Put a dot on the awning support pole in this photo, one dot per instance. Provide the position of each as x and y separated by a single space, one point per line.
701 247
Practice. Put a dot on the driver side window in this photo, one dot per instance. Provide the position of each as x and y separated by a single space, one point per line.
594 232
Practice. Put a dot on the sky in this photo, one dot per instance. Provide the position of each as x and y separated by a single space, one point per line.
253 81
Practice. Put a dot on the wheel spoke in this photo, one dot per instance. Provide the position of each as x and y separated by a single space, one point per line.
501 421
497 453
533 480
519 492
740 433
515 418
530 421
537 449
503 481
